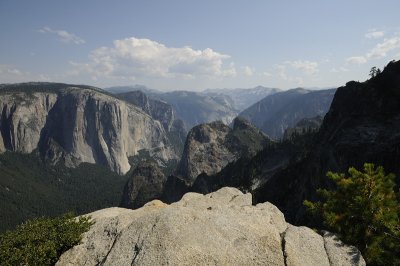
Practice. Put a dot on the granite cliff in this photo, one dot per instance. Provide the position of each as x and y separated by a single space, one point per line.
210 147
159 110
74 124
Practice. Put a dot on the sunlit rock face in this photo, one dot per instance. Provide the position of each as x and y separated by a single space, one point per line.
73 124
221 228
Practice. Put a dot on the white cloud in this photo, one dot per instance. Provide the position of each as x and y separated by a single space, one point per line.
11 74
308 67
266 74
63 35
374 34
381 49
248 71
356 60
133 58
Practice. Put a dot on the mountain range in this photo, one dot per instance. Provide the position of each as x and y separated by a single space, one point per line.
277 112
270 109
244 98
362 125
59 128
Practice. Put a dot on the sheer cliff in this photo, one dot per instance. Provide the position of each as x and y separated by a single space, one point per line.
362 125
75 124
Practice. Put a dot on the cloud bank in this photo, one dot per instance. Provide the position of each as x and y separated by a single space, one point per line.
379 51
134 58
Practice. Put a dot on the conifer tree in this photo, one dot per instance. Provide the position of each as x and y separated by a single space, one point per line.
364 211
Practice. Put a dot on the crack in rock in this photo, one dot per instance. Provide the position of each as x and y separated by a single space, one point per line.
109 251
283 246
138 248
137 251
326 251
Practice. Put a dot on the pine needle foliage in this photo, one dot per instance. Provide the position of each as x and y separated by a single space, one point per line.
364 211
41 241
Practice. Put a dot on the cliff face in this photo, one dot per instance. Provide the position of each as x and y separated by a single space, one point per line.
159 110
162 112
210 147
79 124
22 119
205 151
221 228
362 125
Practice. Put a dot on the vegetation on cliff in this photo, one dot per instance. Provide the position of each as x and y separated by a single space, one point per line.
364 211
41 241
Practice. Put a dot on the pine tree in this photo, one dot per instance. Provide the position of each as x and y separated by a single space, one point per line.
374 72
364 211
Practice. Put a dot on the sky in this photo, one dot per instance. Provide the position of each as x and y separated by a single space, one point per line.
195 45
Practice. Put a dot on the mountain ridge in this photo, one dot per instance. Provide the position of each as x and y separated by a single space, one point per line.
277 112
361 126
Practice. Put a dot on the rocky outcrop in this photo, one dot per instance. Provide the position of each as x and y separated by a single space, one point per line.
249 173
221 228
210 147
205 151
144 184
282 110
75 124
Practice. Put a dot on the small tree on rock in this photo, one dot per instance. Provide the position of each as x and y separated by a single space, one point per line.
364 211
374 72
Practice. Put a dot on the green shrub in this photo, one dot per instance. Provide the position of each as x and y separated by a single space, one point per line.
41 241
364 211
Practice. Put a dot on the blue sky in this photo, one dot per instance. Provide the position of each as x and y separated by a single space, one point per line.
196 45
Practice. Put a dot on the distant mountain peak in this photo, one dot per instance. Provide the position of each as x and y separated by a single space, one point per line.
277 112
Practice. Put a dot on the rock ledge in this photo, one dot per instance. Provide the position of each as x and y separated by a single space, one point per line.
221 228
